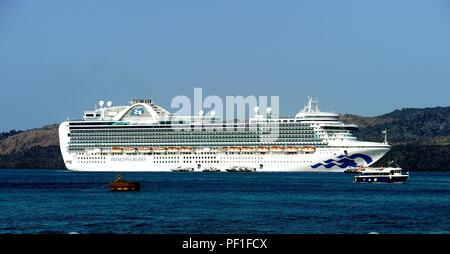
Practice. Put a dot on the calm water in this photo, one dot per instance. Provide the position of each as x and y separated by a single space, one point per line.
58 201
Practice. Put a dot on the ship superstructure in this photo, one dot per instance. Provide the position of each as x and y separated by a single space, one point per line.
146 137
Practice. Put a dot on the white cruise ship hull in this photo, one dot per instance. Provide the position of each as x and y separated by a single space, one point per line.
199 161
326 159
166 163
145 138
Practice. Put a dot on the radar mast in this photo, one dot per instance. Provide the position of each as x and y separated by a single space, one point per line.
312 105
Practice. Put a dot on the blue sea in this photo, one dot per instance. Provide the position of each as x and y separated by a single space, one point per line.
60 201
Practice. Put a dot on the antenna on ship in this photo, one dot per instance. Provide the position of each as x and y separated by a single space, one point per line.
269 112
312 105
385 135
256 110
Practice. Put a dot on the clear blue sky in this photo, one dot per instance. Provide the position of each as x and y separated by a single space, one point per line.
58 58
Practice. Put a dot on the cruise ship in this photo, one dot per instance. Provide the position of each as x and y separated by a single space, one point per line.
145 137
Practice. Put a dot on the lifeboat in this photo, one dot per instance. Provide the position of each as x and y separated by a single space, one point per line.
234 149
159 150
117 149
144 149
129 150
308 149
172 149
291 149
185 149
276 149
263 149
247 149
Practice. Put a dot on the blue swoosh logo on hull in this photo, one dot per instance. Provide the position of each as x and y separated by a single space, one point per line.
344 161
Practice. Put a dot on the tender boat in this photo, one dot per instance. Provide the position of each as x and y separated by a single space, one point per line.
183 169
119 184
354 169
241 169
211 169
381 175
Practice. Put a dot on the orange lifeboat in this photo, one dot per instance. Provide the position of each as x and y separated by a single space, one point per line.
308 149
144 149
291 149
247 149
117 149
276 149
129 150
185 149
263 149
159 149
172 149
234 149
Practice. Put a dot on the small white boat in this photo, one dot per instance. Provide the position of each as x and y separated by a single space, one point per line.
211 169
241 169
381 175
354 169
183 169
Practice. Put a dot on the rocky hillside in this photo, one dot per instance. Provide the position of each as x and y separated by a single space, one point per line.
36 148
23 141
429 126
420 139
